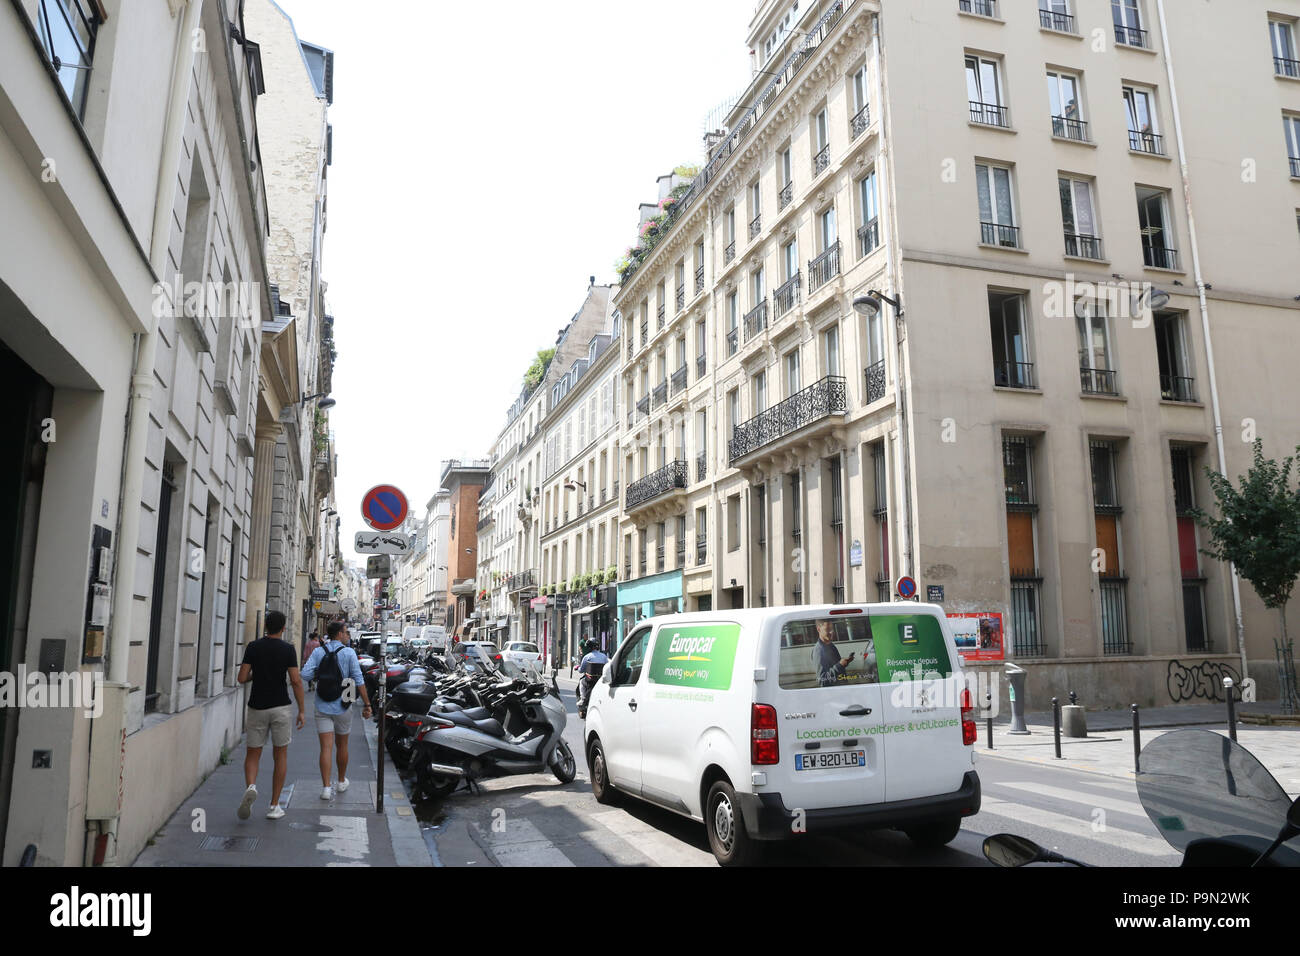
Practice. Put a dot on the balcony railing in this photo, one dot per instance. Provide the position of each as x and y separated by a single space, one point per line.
699 279
1132 36
985 8
700 364
678 380
821 160
1098 381
629 350
484 522
681 551
1158 257
668 478
1286 67
1051 20
643 405
700 465
755 320
1014 374
730 252
733 338
659 315
701 548
990 114
645 329
824 268
681 297
786 296
868 237
1177 388
875 380
755 226
1086 247
996 234
1295 166
785 195
1070 128
824 398
659 394
861 120
1143 142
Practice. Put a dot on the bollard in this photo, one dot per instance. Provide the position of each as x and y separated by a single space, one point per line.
1137 741
1016 693
988 704
1232 709
1056 724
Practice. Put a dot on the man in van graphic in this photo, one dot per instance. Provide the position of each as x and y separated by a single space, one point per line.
827 661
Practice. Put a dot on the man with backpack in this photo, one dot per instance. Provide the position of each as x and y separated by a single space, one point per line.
337 673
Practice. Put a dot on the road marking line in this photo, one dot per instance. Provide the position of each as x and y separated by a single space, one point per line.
661 848
1132 806
1076 826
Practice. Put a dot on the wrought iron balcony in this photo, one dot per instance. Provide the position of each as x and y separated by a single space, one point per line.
700 364
818 401
699 279
786 296
1070 128
996 234
668 478
659 315
1144 142
522 581
985 8
485 521
701 463
861 120
1062 22
730 252
1098 381
645 329
1132 36
681 297
785 195
659 394
1014 374
990 114
1177 388
1286 67
755 320
868 236
755 225
1086 247
732 342
678 380
1158 257
643 405
875 379
824 268
821 160
629 354
701 548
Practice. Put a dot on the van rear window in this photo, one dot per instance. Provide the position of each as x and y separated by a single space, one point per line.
827 652
910 647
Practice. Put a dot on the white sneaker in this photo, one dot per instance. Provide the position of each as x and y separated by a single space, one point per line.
246 805
275 813
327 793
343 785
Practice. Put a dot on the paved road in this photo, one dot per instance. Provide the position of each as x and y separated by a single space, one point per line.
535 821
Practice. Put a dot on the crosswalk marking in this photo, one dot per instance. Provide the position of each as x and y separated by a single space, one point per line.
663 849
1076 796
1075 826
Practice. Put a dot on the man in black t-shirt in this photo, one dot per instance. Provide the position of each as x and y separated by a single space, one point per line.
267 663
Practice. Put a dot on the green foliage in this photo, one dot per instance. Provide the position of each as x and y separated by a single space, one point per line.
611 574
686 171
1258 528
537 371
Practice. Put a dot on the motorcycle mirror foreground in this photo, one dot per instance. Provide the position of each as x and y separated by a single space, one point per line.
1007 849
1293 815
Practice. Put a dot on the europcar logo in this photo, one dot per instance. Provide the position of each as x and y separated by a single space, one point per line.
690 648
699 656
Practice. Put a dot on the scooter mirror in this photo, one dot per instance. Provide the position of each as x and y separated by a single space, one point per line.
1293 815
1009 850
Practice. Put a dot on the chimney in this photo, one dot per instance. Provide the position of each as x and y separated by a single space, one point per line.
592 280
711 140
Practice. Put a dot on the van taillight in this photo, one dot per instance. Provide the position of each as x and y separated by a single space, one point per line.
762 725
968 731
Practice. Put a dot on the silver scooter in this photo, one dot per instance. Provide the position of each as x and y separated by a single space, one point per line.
520 731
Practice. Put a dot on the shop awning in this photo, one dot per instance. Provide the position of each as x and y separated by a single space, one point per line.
588 610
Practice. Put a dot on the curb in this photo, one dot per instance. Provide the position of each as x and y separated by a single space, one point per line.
409 848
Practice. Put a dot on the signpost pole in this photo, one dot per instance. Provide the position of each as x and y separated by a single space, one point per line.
383 706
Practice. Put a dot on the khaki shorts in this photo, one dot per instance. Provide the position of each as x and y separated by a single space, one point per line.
277 721
335 723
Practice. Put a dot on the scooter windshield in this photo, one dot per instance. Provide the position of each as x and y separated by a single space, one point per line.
1196 784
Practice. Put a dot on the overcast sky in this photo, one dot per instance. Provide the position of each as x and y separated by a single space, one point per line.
483 170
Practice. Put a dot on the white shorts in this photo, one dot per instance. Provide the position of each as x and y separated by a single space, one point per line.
277 721
335 723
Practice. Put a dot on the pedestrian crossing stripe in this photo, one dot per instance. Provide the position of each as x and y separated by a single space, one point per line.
1075 826
1133 806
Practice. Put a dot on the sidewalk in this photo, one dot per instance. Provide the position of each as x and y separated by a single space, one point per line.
1108 748
344 831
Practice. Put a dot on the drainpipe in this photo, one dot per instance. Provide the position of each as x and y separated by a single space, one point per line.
1205 312
900 333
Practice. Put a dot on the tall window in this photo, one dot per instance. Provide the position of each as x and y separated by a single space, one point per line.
831 350
1158 250
1176 381
701 348
786 166
1021 506
701 444
701 535
821 145
869 231
1067 111
1106 508
789 260
880 511
1127 15
755 209
1143 131
1012 365
1282 35
67 30
826 233
1055 15
733 319
1291 130
760 392
1096 373
984 90
1182 458
1078 218
733 409
792 380
997 209
861 114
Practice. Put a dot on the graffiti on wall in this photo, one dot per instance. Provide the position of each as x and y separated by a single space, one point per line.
1203 681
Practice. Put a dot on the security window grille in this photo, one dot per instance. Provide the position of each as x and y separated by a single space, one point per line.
796 509
1016 474
1105 494
1026 623
881 501
837 494
761 532
1181 459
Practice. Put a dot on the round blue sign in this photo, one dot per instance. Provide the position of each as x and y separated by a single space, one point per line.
906 587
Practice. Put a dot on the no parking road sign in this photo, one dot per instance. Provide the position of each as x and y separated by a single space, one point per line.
906 588
384 507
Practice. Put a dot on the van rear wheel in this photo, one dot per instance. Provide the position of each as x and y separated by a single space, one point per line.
601 787
728 838
936 833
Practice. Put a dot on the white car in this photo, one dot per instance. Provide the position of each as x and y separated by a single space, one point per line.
768 723
522 653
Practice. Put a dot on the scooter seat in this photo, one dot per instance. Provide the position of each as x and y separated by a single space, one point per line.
477 713
491 726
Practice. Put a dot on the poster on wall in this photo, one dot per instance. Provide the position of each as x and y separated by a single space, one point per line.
978 635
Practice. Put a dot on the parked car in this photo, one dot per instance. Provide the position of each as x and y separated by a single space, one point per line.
766 723
476 653
522 653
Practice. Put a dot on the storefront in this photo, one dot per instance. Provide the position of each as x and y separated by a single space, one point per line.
647 597
593 618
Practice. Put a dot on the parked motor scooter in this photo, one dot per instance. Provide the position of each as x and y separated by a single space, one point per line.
1209 797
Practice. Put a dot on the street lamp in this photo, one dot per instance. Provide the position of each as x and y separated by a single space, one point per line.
869 304
323 403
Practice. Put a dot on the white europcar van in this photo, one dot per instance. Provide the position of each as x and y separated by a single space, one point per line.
766 723
436 636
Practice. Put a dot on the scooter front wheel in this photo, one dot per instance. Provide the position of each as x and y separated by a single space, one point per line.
563 765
